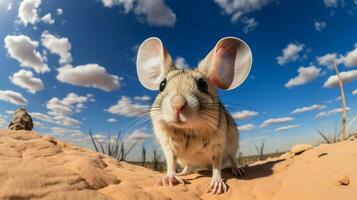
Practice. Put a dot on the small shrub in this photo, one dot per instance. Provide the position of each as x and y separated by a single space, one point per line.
114 148
328 139
260 150
143 156
156 160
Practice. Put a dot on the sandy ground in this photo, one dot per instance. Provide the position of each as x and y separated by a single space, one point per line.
36 167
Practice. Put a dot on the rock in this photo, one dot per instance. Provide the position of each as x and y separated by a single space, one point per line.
344 180
39 179
91 169
49 139
300 148
322 154
21 120
286 155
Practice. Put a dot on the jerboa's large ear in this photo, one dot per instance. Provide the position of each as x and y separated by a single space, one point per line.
228 64
153 63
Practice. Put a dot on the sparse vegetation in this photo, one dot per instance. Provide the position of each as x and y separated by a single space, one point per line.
329 139
260 150
240 160
343 101
143 156
334 137
114 148
247 160
156 160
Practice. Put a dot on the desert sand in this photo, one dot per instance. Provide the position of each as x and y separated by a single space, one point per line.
40 167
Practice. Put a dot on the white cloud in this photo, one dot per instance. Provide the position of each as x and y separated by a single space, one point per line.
329 60
67 121
38 124
48 19
72 135
3 123
347 77
57 45
59 120
249 24
10 112
112 120
43 117
28 11
246 127
354 92
181 63
154 12
138 135
73 98
59 130
308 108
89 75
9 6
284 128
126 107
58 107
330 112
319 25
66 131
290 53
271 121
238 8
23 49
127 4
350 59
331 3
59 11
12 97
142 98
100 137
66 106
4 116
245 114
306 74
26 80
59 110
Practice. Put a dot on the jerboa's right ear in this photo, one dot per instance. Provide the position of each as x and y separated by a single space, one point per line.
153 62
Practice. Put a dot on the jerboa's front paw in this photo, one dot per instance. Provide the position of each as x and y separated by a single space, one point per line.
217 186
169 180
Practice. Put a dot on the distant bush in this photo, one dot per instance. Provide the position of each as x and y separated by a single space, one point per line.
260 150
143 156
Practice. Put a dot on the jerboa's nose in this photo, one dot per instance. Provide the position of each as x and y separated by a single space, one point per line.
178 102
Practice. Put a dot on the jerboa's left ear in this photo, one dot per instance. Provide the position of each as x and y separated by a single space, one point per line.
228 64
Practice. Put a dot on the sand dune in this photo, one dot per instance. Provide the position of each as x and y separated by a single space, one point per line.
39 167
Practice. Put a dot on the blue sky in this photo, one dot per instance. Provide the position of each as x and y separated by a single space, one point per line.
72 64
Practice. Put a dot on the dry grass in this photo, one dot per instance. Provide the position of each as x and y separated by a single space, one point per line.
260 150
329 139
114 148
143 156
343 101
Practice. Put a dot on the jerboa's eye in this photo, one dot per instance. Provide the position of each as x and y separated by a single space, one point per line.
202 85
162 85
